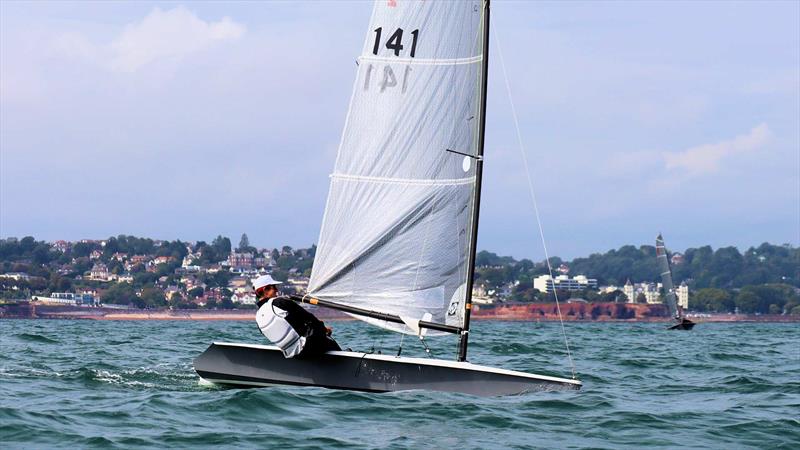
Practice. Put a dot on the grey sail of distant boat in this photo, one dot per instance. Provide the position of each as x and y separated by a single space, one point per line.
397 242
682 323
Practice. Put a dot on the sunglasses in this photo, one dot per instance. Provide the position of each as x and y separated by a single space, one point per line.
263 289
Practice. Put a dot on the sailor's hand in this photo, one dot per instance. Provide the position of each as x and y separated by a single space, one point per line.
328 331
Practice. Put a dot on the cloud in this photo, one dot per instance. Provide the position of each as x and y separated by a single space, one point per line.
169 34
706 158
74 45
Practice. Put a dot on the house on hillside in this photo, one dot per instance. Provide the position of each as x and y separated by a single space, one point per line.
99 272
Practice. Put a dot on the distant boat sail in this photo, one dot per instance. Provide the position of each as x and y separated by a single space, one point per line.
669 288
397 244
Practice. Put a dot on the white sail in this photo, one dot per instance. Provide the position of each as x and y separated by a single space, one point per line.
397 228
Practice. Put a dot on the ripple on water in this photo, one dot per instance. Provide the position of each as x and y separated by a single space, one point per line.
131 385
38 338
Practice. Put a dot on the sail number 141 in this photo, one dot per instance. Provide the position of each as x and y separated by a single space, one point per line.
395 42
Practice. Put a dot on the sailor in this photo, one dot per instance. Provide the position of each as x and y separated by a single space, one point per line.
288 325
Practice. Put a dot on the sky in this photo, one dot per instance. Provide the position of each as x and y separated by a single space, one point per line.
185 120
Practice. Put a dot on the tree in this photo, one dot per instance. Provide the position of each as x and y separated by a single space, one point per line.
524 292
764 296
489 259
116 267
613 296
27 244
725 265
221 248
41 253
59 283
196 292
641 298
591 295
82 249
712 300
119 294
286 262
747 301
493 278
180 304
226 303
82 265
153 297
244 245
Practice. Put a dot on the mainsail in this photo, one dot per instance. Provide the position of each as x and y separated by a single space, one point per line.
397 231
666 277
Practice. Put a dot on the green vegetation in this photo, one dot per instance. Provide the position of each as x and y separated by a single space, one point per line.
763 279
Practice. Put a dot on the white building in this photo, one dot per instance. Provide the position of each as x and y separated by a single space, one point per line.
629 292
482 296
124 278
99 272
66 298
543 283
298 284
683 295
16 276
609 289
245 298
651 292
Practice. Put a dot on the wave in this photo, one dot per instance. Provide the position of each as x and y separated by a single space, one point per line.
133 386
28 337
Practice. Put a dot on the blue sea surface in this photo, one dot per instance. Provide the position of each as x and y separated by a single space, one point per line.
130 384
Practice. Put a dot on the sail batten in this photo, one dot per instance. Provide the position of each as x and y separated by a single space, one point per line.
396 230
423 62
416 181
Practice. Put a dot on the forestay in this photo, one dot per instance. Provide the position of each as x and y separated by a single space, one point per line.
397 228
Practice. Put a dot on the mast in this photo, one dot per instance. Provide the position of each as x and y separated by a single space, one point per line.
476 204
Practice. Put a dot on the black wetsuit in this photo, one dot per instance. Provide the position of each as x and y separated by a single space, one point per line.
305 324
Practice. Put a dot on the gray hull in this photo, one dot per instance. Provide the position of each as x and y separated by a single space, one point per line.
244 365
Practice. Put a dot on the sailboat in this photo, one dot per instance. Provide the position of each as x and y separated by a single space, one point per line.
681 322
397 242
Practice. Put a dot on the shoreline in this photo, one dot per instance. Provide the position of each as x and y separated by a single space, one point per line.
530 312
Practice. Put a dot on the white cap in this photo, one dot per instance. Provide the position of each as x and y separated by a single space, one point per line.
264 280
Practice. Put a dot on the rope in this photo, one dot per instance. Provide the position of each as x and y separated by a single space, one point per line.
400 349
533 196
427 349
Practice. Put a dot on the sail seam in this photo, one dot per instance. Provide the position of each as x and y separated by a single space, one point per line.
409 181
423 61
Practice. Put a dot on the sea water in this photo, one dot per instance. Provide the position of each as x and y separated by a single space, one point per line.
129 384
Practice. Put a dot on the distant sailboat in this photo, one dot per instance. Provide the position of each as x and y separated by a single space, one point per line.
682 323
397 245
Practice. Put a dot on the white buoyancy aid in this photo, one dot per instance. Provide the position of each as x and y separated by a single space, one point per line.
272 322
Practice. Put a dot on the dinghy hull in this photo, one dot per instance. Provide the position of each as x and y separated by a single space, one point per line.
243 365
684 324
